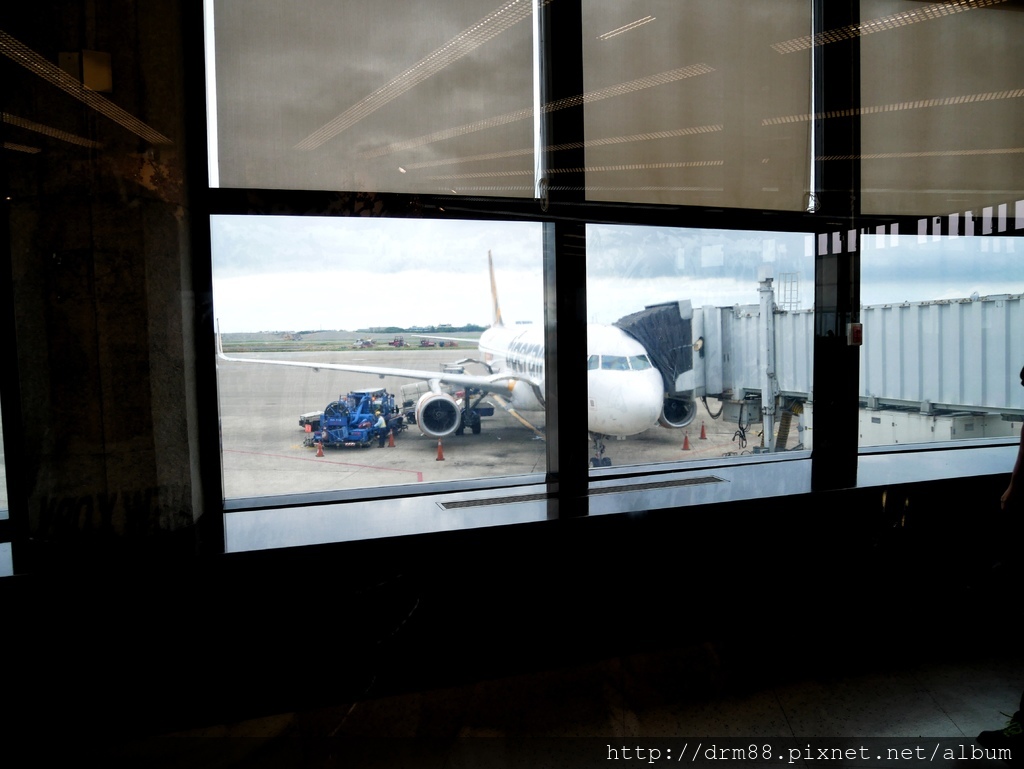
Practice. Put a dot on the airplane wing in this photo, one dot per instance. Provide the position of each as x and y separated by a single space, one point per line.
448 338
496 383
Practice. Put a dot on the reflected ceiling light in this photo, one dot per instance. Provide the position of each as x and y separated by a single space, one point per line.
587 169
642 188
490 26
946 101
626 28
641 166
489 189
33 62
926 154
595 188
925 13
469 159
46 130
479 175
20 148
620 89
648 136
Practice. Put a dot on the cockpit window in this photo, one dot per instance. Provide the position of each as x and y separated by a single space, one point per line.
593 362
639 362
614 363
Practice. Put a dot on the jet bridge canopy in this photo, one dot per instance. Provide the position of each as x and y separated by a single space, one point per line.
666 332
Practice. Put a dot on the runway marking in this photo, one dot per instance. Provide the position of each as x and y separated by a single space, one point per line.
323 460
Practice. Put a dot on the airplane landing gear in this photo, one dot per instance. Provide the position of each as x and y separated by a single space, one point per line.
599 459
470 416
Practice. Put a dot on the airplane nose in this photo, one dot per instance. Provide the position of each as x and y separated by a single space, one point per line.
625 405
655 401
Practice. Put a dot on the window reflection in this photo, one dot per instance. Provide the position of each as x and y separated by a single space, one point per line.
318 94
942 121
692 103
349 335
697 306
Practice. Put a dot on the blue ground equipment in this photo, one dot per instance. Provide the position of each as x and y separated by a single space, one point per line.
349 421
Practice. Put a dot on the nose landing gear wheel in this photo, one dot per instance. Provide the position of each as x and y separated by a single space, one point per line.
599 459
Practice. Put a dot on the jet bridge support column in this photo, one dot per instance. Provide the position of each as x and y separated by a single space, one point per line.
769 382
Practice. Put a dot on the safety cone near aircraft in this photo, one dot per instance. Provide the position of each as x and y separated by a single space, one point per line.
391 439
703 432
440 451
686 442
319 449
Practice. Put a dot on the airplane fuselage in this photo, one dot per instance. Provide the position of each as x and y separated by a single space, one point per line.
625 391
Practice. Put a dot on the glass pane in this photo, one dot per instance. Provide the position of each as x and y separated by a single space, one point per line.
942 123
366 315
93 115
699 103
700 305
943 338
397 96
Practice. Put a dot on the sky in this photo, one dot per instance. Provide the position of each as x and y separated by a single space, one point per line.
308 273
303 273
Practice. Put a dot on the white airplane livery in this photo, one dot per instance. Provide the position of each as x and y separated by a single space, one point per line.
626 392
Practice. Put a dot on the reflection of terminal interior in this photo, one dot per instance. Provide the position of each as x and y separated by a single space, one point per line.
860 533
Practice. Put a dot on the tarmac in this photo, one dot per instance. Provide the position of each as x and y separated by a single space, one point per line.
263 451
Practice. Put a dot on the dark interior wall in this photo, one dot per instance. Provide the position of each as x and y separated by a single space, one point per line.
99 258
816 585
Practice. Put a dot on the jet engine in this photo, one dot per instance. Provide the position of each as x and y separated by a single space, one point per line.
437 414
677 412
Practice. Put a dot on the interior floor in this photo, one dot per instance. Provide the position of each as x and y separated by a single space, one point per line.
781 703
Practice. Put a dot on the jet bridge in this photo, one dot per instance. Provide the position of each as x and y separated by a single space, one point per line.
936 370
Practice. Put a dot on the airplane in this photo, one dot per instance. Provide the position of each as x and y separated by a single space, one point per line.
626 393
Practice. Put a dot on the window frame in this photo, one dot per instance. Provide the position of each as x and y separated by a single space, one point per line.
834 218
13 526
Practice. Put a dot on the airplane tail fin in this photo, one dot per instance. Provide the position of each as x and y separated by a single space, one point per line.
494 293
220 344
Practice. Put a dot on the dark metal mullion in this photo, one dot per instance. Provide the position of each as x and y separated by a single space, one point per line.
15 529
561 76
228 201
211 519
837 266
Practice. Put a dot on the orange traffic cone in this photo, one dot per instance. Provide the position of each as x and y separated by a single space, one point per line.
319 449
686 442
391 439
440 451
703 432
